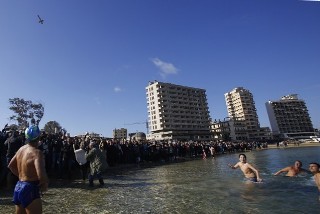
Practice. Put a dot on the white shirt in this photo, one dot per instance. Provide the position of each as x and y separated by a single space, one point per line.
80 156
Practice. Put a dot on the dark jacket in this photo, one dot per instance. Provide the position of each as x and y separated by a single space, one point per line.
13 144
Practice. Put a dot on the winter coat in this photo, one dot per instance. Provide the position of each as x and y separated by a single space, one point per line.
97 161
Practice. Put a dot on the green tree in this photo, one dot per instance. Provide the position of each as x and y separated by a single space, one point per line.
26 112
52 127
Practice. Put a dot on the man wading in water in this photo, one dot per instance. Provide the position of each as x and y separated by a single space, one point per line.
28 164
292 170
249 171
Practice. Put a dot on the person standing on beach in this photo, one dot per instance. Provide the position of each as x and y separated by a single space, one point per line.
80 155
12 145
98 163
29 166
314 169
293 170
248 170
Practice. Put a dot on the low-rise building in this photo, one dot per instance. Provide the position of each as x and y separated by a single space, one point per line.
229 129
120 134
137 136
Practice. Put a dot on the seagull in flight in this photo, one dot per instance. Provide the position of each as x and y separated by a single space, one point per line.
40 20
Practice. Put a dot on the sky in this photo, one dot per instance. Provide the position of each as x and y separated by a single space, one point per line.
90 61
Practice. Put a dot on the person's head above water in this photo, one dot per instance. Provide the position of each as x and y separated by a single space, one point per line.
314 167
242 157
298 164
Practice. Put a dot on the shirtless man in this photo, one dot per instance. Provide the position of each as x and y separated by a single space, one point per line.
314 169
292 170
29 166
249 171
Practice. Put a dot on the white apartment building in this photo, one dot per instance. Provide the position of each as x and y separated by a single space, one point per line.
241 107
177 112
289 117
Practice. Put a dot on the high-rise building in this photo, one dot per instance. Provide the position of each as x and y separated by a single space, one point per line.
289 117
241 107
177 112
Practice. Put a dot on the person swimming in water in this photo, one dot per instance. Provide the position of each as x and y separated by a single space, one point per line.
293 170
248 170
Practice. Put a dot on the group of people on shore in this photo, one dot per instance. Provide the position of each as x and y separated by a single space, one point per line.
60 152
28 165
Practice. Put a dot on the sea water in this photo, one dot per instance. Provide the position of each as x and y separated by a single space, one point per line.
198 186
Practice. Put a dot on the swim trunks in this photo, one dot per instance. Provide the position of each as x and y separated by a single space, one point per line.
25 192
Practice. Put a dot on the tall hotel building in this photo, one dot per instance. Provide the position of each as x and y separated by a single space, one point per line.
241 106
177 112
289 117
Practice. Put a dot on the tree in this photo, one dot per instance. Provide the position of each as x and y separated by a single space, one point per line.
52 127
36 112
26 112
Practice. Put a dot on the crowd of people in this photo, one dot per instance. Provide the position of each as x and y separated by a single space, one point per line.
60 156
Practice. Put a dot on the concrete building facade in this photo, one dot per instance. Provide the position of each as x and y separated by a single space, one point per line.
289 117
241 107
229 129
177 112
120 134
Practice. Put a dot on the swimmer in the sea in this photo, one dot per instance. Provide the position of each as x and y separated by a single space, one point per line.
248 170
293 170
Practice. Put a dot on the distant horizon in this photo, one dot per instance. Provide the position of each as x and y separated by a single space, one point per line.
89 63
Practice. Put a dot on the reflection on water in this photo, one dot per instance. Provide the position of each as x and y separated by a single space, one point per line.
200 186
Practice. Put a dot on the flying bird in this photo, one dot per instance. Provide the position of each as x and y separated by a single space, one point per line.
40 20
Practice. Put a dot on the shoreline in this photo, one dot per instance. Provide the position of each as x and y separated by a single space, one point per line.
115 170
120 168
6 191
290 145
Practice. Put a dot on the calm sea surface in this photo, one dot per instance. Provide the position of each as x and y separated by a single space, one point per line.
199 186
